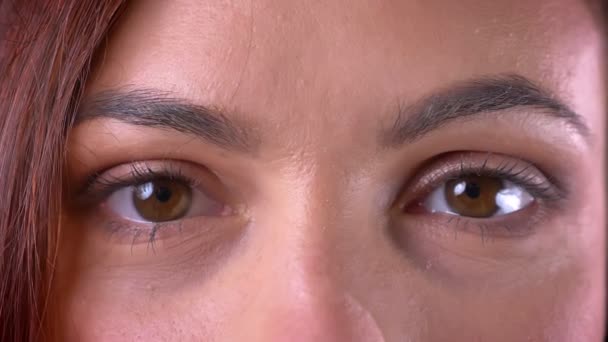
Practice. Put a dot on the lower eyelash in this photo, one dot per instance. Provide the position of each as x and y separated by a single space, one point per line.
122 230
487 231
519 224
547 195
135 233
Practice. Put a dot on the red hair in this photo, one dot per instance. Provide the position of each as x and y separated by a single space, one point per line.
46 48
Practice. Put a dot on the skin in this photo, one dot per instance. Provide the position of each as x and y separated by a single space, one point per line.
316 247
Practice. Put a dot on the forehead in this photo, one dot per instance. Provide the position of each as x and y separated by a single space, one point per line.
346 62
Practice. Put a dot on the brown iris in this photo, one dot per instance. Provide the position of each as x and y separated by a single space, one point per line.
162 200
473 196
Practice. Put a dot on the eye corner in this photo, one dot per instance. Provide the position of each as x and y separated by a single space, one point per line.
415 207
518 195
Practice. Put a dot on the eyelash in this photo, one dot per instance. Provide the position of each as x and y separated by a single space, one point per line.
548 190
99 187
545 190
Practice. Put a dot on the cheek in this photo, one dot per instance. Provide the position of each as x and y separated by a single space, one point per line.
111 319
557 307
577 309
109 301
95 314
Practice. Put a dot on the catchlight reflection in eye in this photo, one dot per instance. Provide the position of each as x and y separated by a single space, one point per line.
477 196
162 200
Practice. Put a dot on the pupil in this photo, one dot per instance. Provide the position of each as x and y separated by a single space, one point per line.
163 194
472 190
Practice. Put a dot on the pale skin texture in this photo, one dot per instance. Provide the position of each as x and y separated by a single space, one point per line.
314 249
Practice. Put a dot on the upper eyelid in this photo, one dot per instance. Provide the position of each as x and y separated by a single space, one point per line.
140 173
458 164
108 186
102 184
520 171
199 177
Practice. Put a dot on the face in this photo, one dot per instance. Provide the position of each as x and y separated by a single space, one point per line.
339 171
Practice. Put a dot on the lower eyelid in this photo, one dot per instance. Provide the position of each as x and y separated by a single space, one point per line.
122 232
151 235
136 233
518 224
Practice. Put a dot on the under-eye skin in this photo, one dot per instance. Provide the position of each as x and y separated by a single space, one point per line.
483 193
138 201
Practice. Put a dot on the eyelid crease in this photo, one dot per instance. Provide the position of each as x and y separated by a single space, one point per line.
461 164
101 185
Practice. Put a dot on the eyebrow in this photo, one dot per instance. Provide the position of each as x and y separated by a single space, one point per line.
487 95
158 109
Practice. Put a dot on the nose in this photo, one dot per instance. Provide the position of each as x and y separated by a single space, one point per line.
306 308
297 291
300 289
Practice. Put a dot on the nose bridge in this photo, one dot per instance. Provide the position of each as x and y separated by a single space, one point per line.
303 234
301 298
301 295
299 239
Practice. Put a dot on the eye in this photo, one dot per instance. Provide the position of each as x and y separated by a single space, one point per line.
161 200
477 197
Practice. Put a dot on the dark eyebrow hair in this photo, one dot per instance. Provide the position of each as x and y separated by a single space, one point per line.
479 96
159 109
155 108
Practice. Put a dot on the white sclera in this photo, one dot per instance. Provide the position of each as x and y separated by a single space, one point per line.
510 199
121 203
